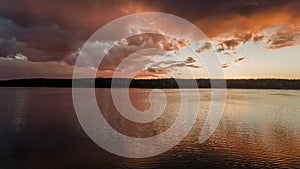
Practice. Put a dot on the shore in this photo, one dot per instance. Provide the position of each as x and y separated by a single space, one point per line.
155 83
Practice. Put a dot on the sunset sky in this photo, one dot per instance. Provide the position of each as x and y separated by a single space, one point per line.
254 38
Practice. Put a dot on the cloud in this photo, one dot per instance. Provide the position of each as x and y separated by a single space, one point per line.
11 68
207 46
239 59
17 57
190 60
273 38
151 73
48 31
135 53
225 65
234 41
194 66
285 37
33 21
230 44
136 45
235 61
39 44
174 63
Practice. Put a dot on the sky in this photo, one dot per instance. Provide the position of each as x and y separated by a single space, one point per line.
253 38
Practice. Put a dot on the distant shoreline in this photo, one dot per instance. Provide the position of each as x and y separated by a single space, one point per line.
154 83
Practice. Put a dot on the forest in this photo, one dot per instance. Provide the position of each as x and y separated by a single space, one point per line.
154 83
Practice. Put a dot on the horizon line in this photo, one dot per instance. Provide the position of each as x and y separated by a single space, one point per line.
54 78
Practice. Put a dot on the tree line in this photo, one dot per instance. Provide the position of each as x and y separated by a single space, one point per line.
155 83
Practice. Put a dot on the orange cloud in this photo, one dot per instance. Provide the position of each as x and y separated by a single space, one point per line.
285 37
151 73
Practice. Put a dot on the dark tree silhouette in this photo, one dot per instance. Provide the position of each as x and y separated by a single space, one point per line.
153 83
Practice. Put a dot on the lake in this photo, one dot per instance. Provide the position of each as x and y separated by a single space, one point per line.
259 129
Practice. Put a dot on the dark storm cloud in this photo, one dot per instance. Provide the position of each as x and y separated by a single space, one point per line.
67 14
194 10
38 43
50 30
215 17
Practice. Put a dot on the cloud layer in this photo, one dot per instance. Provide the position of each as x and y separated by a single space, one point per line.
52 31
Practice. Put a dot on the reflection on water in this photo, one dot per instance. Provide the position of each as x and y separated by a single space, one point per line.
259 128
19 106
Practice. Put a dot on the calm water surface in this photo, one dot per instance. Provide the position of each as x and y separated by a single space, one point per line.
259 129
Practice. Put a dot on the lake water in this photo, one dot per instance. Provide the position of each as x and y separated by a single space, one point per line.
259 129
